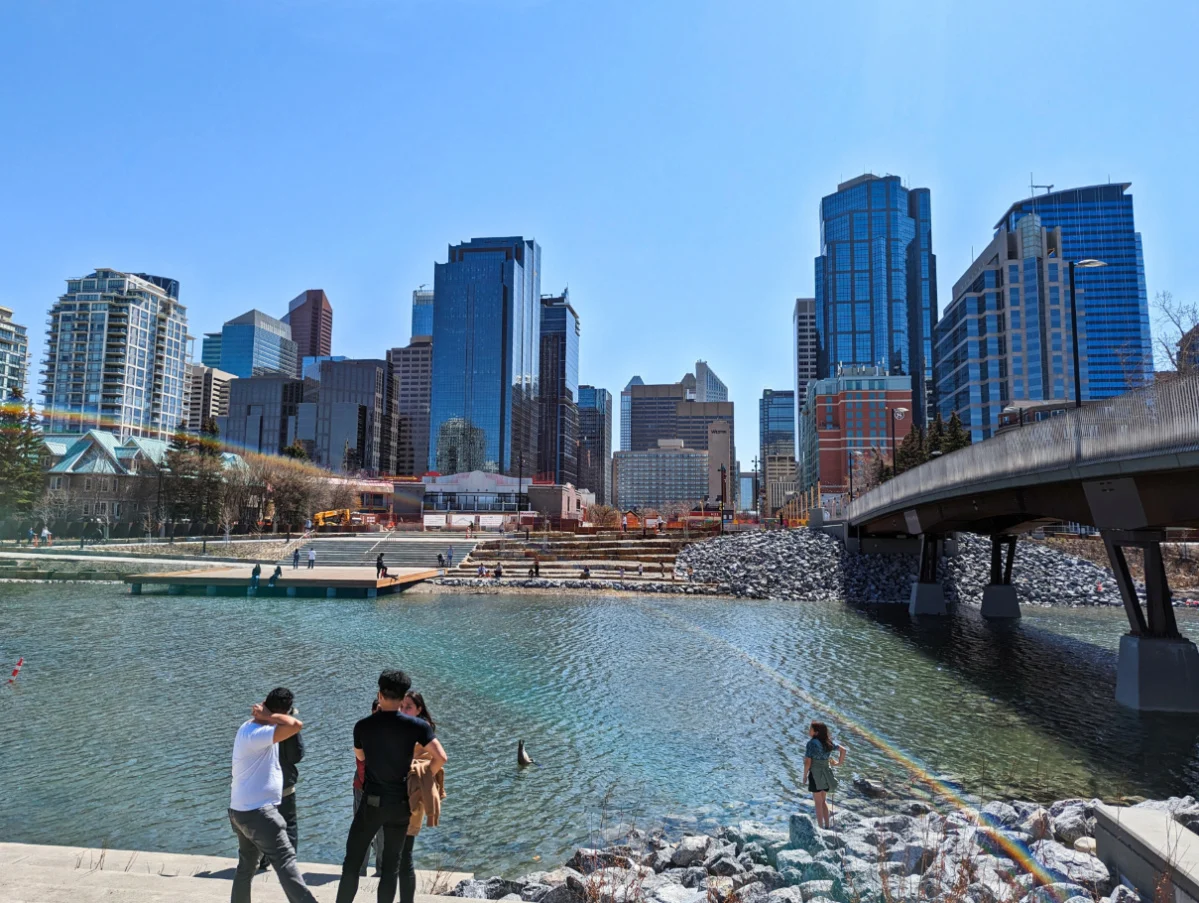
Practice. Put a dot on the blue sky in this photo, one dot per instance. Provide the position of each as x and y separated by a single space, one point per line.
669 157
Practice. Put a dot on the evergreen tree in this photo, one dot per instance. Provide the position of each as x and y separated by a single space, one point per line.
934 439
296 451
911 451
956 435
22 483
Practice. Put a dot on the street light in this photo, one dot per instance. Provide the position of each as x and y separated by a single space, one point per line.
896 414
1087 263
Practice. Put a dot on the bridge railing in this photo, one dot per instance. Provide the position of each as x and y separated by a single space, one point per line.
1162 418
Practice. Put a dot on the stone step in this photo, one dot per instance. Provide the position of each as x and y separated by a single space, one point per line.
49 874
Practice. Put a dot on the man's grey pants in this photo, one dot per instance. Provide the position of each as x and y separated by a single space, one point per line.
263 832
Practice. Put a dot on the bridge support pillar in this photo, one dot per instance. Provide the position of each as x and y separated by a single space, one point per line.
928 597
999 596
1158 668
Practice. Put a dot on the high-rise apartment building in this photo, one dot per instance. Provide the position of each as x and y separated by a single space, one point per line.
722 467
486 368
1006 337
776 442
117 350
207 395
595 442
1097 224
310 316
558 439
708 386
412 373
254 344
422 313
851 420
626 414
14 357
876 282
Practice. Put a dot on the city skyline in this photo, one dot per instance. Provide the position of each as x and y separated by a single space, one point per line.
623 222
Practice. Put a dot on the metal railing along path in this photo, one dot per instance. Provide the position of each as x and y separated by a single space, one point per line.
1160 419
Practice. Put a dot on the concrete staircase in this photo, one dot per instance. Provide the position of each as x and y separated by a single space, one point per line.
397 552
48 874
563 557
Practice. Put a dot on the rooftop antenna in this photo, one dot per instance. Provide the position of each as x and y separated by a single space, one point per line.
1032 189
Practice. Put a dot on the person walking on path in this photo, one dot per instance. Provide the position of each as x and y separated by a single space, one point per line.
255 574
311 558
377 840
295 559
818 768
255 797
386 741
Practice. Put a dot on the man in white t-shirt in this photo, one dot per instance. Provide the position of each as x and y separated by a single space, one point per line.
255 796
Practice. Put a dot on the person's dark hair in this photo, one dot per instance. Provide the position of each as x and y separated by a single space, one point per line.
394 684
279 701
821 730
422 710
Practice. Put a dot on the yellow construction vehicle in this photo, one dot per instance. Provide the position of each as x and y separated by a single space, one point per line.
325 518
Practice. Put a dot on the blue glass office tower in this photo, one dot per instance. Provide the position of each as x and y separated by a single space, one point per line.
486 339
255 344
422 313
595 442
557 457
1097 223
876 282
776 423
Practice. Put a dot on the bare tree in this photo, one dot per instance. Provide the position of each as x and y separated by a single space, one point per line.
604 515
1177 333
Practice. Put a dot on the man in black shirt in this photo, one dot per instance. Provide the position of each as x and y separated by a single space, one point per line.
385 741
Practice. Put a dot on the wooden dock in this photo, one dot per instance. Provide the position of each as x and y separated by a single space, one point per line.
330 582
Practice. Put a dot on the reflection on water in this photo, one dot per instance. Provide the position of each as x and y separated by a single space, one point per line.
675 709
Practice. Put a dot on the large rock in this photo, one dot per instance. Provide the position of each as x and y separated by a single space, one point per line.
868 787
792 859
804 834
813 889
1055 893
586 860
562 893
785 895
692 850
770 878
1072 825
674 893
1037 824
820 871
1070 866
725 867
471 888
552 878
498 888
1001 814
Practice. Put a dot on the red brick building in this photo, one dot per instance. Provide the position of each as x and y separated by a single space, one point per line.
851 417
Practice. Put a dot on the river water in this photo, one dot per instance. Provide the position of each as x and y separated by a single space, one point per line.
654 710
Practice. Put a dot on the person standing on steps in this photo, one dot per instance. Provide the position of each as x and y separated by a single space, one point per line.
255 796
295 559
311 558
386 741
818 769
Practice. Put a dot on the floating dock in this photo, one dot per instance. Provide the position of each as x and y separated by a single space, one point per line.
330 582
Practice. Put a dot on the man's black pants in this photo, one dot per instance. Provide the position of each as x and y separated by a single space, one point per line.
392 818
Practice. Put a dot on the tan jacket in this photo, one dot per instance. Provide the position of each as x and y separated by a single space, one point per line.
426 790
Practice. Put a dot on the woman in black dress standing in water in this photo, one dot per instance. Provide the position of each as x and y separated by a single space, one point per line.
818 769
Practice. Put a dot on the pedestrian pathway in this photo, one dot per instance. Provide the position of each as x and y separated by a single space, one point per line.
31 873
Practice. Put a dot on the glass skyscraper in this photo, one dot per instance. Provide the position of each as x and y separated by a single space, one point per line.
876 282
255 344
776 423
486 340
595 442
557 458
422 313
626 414
1097 223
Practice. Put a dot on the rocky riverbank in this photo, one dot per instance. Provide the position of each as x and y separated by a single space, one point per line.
809 565
520 584
1018 852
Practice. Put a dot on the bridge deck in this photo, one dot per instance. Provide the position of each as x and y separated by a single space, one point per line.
319 581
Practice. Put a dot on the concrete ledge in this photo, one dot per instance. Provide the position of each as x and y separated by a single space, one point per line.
999 601
1146 848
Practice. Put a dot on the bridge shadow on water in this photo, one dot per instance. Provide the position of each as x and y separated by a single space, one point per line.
1064 687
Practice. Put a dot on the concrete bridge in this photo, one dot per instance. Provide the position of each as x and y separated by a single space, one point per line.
1127 465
